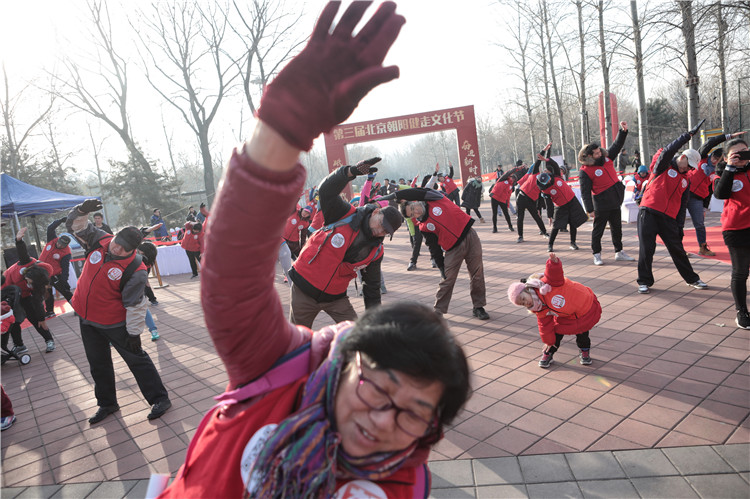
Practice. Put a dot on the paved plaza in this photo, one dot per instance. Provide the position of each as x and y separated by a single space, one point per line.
662 412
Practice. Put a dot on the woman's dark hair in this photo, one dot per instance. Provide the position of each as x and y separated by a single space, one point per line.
149 252
733 142
411 338
39 280
197 227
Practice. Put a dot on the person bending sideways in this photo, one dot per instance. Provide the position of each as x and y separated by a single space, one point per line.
348 411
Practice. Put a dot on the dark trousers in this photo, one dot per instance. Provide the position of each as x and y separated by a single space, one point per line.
455 197
150 294
476 210
740 256
99 354
600 223
63 287
524 203
651 224
15 333
503 206
34 308
553 235
416 245
192 257
582 341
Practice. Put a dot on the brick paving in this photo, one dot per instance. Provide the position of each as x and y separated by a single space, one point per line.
663 410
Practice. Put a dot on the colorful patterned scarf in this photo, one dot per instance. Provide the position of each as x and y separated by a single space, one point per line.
303 456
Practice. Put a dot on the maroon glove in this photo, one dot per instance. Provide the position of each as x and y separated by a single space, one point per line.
324 83
364 167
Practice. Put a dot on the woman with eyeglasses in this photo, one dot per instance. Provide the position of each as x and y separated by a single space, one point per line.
351 410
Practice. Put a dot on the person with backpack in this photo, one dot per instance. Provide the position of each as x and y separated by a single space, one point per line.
111 305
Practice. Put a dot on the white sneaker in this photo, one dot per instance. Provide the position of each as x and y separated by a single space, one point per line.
699 284
598 259
621 256
643 289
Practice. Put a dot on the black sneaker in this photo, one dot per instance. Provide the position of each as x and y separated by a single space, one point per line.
159 408
743 319
480 314
511 229
412 266
50 315
154 302
103 412
574 246
545 361
549 248
494 230
18 350
520 239
545 235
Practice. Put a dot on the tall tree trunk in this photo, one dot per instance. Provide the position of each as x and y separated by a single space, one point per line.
582 42
722 27
642 114
98 173
691 61
545 82
605 77
208 167
558 100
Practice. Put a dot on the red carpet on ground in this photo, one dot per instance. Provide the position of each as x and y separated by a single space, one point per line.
713 238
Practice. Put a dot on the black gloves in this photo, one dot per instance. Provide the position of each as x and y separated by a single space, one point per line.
133 343
90 205
364 167
697 127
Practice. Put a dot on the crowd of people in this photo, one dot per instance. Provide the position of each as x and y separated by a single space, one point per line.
358 404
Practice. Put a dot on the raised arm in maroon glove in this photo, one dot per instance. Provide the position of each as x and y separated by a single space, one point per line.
323 85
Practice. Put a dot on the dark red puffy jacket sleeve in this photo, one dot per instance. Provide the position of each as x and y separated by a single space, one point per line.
553 273
243 312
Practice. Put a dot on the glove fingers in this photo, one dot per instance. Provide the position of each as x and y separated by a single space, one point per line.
349 19
351 90
375 24
378 45
324 21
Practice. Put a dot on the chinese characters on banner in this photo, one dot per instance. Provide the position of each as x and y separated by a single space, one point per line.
460 119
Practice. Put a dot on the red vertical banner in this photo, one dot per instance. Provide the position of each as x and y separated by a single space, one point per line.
615 120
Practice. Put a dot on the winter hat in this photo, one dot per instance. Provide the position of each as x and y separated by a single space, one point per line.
392 219
129 238
64 240
519 162
693 157
514 290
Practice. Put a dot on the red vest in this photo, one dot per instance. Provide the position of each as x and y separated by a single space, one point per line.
206 476
97 297
500 192
317 219
446 220
602 177
52 255
699 181
638 180
449 185
664 193
736 213
192 241
14 275
293 225
560 192
321 262
528 186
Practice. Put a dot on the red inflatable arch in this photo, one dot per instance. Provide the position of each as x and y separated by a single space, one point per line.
460 119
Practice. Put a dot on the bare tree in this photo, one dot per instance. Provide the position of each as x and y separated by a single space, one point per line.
16 137
605 75
97 149
638 59
183 42
691 63
270 39
553 77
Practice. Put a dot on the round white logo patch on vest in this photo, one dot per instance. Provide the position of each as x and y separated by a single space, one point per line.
195 236
95 257
558 301
684 183
737 185
431 226
337 240
49 247
599 172
250 455
559 183
360 489
672 173
294 221
56 256
553 191
437 211
114 274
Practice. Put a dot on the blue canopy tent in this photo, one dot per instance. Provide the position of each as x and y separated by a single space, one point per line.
20 199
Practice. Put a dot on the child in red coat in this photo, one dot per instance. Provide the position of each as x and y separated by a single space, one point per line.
561 306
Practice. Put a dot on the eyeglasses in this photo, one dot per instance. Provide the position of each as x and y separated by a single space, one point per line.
377 399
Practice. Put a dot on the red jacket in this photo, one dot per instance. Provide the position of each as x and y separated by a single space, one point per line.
294 224
664 193
700 183
560 192
602 177
266 335
52 255
14 275
446 220
449 185
528 186
192 241
736 213
97 297
500 191
570 307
